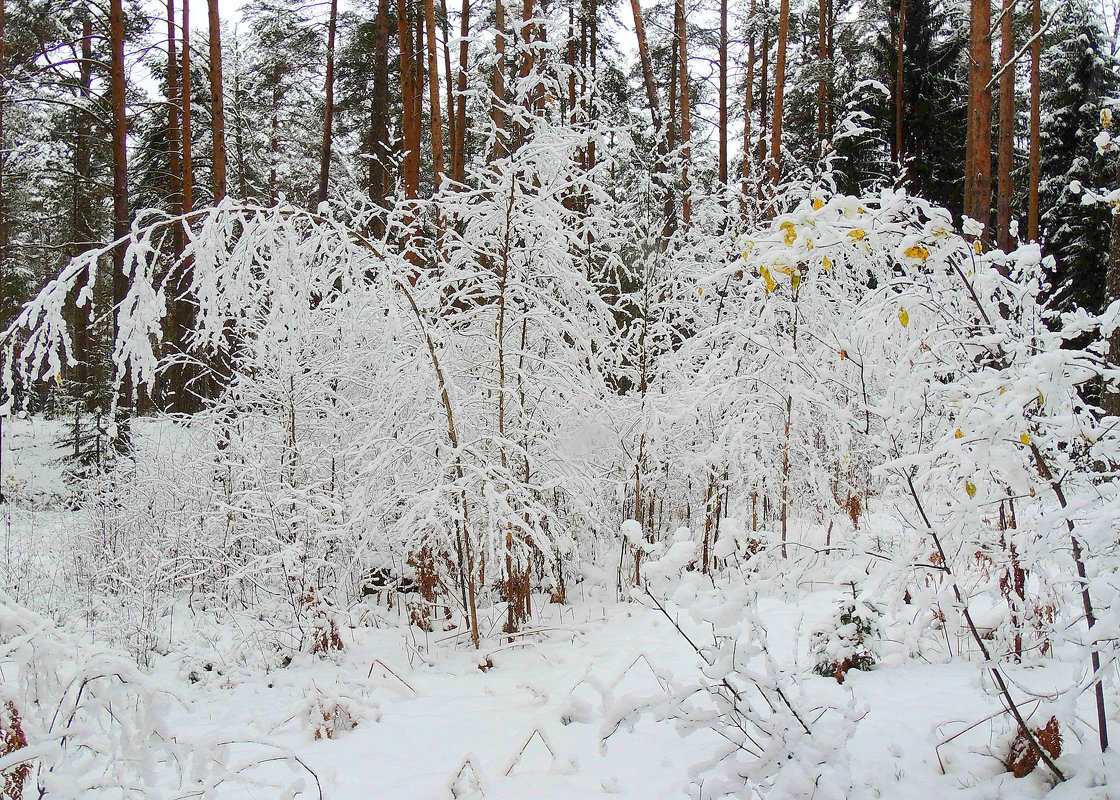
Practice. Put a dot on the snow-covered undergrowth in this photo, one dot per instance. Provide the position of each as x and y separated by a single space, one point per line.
843 500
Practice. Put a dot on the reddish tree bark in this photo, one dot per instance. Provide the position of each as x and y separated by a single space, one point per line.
217 101
120 190
1036 124
779 95
748 109
686 116
900 88
1006 148
498 82
328 107
647 65
723 92
410 122
185 74
461 108
978 149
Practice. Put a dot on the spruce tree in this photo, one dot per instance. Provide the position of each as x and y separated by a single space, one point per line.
1078 78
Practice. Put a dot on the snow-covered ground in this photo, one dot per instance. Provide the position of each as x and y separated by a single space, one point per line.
399 713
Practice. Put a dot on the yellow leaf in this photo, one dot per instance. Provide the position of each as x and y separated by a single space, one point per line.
765 273
1041 399
790 232
978 247
701 291
1025 438
970 488
857 234
795 280
917 252
818 204
903 317
827 263
959 434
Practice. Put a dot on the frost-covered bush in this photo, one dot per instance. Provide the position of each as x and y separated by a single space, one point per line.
81 722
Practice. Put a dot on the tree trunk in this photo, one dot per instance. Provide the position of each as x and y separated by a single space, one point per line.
410 124
686 117
779 95
452 130
459 169
1110 397
978 150
379 177
120 195
1036 124
498 82
526 65
647 65
1006 148
174 165
328 107
723 93
900 91
748 112
822 84
217 101
185 75
434 107
593 46
82 223
764 89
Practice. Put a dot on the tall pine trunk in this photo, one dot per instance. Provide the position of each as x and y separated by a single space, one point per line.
723 93
187 132
748 111
1036 123
410 122
175 167
978 149
900 90
647 66
379 176
217 101
120 196
82 224
328 107
779 96
1006 148
460 148
498 82
686 116
822 61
